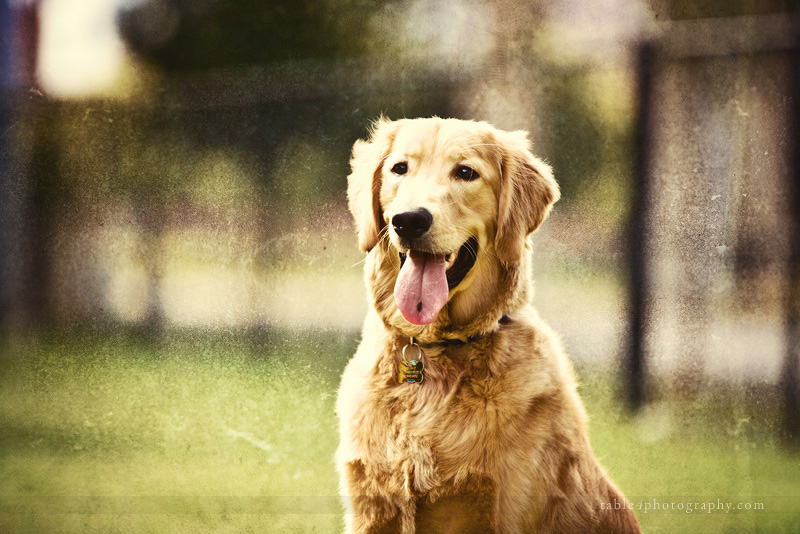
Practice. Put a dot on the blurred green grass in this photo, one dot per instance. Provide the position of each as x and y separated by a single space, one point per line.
235 432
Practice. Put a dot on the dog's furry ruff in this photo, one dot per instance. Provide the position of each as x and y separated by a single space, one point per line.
494 439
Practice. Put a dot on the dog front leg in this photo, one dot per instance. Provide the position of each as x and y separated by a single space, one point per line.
371 515
366 510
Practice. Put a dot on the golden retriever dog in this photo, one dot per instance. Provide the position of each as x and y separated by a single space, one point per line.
459 412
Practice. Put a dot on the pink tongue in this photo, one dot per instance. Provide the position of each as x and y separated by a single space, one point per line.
421 288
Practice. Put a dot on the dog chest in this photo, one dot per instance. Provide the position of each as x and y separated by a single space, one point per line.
428 434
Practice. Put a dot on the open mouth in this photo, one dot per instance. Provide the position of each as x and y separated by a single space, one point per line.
425 279
457 264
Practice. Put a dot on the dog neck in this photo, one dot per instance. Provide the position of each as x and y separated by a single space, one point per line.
413 368
446 342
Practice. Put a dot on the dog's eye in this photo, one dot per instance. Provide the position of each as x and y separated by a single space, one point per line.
400 168
465 173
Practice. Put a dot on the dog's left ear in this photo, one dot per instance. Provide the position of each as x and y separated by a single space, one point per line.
527 192
364 182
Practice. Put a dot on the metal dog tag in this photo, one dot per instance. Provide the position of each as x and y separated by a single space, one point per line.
411 371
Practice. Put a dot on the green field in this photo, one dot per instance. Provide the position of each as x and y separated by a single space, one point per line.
236 433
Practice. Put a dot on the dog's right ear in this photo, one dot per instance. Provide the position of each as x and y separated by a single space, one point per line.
364 182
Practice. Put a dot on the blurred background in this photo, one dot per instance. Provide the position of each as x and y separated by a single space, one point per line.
181 286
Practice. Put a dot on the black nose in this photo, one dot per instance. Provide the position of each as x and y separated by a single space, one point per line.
412 224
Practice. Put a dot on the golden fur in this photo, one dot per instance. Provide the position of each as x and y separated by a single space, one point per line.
494 439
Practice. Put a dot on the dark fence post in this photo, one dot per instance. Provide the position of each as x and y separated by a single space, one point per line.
791 367
634 369
18 37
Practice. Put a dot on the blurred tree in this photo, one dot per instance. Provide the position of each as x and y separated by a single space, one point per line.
578 139
188 35
18 45
700 9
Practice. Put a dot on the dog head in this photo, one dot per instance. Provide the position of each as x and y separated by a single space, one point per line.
444 208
